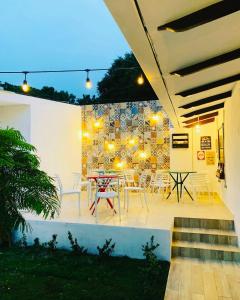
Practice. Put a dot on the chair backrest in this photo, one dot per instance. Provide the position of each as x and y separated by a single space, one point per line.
77 178
199 179
58 181
162 177
103 183
143 179
129 176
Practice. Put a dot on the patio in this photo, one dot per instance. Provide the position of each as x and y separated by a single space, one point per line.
160 215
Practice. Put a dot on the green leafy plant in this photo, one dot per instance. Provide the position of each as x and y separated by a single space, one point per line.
107 249
22 242
23 186
52 244
152 270
76 248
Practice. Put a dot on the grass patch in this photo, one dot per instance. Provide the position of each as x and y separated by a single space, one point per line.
27 274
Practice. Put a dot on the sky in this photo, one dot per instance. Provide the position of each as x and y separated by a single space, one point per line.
58 34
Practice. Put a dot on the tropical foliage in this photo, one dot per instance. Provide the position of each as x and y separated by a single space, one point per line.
23 186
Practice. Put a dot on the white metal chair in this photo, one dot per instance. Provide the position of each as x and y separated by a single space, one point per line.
160 181
141 188
199 183
103 192
129 177
78 183
71 191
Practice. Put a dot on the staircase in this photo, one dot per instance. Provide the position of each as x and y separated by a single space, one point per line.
208 239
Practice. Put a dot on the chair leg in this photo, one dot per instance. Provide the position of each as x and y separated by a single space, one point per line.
140 195
95 206
119 208
145 199
124 199
79 200
113 205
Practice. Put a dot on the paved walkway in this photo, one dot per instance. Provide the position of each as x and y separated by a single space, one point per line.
191 279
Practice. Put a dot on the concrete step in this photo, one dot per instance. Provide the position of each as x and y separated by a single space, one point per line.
205 251
209 236
227 225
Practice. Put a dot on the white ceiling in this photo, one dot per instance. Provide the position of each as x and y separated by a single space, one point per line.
175 50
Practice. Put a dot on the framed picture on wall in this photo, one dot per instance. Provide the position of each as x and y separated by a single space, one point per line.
205 143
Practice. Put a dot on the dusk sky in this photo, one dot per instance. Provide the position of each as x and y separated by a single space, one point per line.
53 34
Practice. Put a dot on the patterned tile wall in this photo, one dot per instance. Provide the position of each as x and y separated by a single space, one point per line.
131 128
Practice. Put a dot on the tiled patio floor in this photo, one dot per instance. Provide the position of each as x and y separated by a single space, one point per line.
191 279
160 215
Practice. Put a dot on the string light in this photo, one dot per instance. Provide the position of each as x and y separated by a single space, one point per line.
140 80
25 86
88 83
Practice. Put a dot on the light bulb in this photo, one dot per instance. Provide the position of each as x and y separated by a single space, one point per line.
143 155
111 146
155 118
140 80
25 86
88 83
97 124
198 128
132 142
86 134
120 164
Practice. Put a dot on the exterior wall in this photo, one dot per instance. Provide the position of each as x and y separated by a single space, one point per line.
121 122
55 131
186 159
18 117
231 190
53 128
129 240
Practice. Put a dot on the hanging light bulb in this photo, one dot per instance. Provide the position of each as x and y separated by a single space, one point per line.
140 80
198 127
25 86
88 83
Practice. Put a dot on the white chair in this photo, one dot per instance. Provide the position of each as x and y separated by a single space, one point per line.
78 183
199 182
102 192
160 181
63 192
129 178
141 188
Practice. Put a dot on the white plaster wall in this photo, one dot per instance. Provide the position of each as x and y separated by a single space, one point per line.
186 158
129 240
55 131
18 117
52 127
231 192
